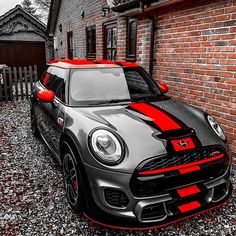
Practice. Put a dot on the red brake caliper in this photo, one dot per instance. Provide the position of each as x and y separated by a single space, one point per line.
75 184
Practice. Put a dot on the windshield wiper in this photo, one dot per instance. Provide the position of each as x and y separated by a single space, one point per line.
144 98
110 101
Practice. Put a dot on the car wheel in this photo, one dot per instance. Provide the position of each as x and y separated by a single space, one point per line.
73 182
34 127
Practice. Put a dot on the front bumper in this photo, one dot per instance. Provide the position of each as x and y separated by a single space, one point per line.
152 210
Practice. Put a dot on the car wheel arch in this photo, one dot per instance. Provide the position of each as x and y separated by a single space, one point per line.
68 139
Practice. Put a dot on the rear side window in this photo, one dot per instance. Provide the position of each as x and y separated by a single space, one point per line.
54 79
45 77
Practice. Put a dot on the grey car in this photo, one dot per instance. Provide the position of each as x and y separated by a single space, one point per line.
132 157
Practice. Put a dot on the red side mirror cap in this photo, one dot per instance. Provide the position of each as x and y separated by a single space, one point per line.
164 88
46 96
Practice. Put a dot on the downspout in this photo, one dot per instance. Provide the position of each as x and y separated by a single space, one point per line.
152 36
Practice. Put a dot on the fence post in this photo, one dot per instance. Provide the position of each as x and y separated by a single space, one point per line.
10 84
26 82
36 73
1 78
31 78
21 83
5 84
16 81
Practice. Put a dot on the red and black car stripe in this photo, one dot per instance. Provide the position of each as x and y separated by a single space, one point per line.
177 135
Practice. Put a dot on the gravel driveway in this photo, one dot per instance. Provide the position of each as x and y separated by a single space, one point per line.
32 200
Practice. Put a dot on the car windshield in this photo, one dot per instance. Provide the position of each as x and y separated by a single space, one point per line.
110 85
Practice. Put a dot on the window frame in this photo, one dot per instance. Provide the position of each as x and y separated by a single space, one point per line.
87 31
67 73
129 55
110 25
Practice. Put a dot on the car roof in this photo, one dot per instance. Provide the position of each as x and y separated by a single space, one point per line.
90 63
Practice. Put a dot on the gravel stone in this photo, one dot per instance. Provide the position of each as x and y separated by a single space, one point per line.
32 197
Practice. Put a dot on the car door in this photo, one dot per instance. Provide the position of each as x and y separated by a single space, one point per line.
39 107
52 117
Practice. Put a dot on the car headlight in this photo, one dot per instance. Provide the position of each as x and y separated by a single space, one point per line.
216 127
106 147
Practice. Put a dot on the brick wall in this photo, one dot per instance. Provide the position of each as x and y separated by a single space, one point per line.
195 53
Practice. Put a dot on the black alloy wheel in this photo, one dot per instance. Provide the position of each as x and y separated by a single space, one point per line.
73 182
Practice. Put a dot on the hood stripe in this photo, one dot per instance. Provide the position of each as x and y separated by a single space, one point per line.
160 118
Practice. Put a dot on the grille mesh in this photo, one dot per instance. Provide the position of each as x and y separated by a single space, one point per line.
178 159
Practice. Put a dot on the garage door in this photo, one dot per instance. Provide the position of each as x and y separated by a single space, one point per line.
23 54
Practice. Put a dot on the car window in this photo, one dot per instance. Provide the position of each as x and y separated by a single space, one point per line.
45 77
56 82
89 86
136 83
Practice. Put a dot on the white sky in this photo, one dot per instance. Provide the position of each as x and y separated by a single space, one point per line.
6 5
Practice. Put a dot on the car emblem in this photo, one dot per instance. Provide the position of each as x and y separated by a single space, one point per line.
182 143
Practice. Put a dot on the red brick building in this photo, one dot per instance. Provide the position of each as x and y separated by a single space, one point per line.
190 45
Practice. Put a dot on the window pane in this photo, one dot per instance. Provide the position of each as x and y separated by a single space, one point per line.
56 82
98 84
91 41
136 83
132 37
88 86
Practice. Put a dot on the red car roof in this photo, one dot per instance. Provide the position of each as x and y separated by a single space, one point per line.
87 63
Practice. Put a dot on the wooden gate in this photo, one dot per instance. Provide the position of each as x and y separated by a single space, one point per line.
17 83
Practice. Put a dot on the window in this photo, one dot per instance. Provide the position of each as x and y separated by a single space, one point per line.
45 76
110 44
132 39
55 81
136 83
70 45
91 41
87 85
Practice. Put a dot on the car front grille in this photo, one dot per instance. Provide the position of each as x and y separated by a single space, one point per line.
178 159
151 185
116 198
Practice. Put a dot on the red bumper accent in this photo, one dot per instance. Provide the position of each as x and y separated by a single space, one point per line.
189 169
184 192
189 206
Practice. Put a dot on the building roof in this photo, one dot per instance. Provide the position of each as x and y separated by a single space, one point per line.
133 7
18 10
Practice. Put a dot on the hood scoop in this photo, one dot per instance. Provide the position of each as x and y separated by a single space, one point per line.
174 134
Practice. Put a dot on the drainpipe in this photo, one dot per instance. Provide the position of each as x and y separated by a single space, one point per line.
152 36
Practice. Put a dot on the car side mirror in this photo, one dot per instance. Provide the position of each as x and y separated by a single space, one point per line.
46 96
164 88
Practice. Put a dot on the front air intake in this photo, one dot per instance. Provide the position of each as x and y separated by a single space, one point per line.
116 198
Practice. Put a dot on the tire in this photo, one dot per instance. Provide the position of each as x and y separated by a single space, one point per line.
34 127
73 182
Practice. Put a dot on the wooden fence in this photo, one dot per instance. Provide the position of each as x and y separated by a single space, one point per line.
17 83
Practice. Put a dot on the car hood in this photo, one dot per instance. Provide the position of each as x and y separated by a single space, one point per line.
140 134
